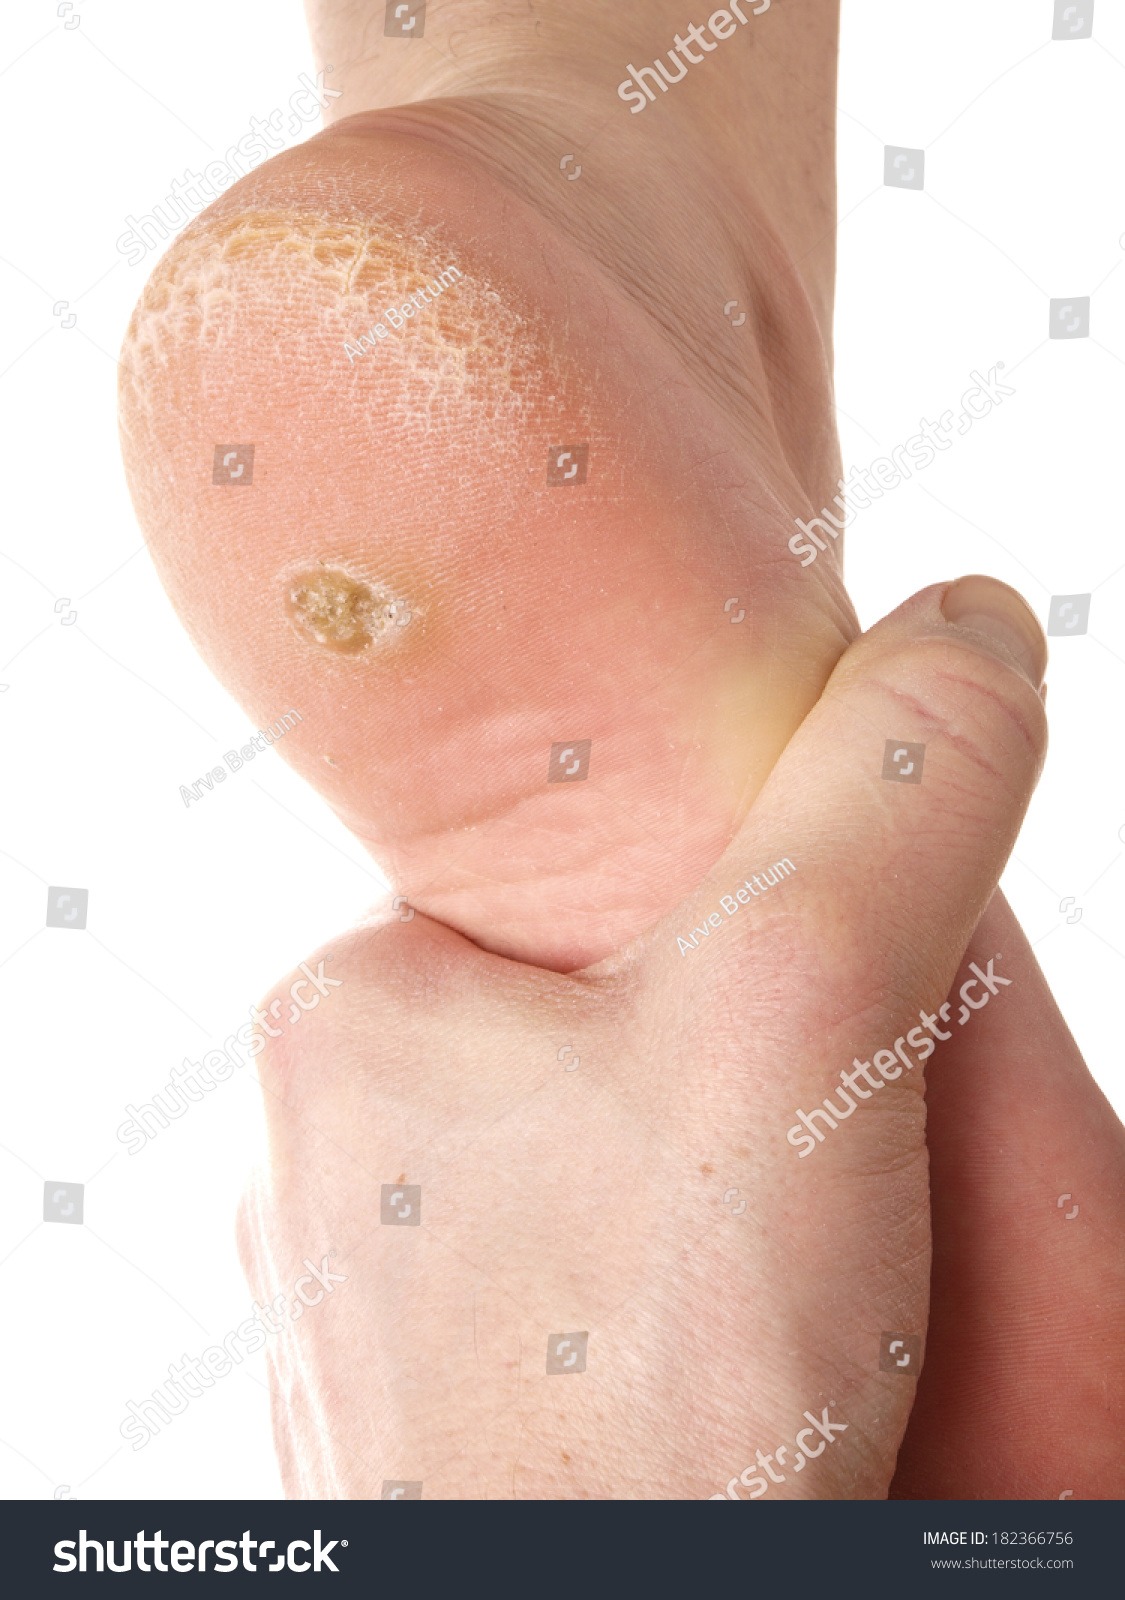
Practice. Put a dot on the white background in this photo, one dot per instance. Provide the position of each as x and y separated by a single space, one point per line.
194 914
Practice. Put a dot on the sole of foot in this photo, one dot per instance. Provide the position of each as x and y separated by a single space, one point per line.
418 467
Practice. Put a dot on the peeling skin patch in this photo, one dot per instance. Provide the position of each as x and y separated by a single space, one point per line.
340 612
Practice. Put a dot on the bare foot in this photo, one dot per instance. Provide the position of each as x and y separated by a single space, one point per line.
416 319
414 570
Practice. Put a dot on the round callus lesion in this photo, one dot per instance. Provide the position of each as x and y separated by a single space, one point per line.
340 612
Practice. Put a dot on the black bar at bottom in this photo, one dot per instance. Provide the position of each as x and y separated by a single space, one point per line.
897 1548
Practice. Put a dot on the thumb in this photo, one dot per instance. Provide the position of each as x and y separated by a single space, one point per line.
825 942
905 788
829 930
896 804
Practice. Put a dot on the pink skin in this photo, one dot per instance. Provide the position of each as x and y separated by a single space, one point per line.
542 614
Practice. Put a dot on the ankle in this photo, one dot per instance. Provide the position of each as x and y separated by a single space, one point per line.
756 96
473 47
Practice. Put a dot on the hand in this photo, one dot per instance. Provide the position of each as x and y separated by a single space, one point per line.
593 1202
536 613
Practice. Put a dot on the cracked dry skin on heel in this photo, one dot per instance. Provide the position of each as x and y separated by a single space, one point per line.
450 335
249 326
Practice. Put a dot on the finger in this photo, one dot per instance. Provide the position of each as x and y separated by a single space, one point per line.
837 921
1027 1319
893 809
